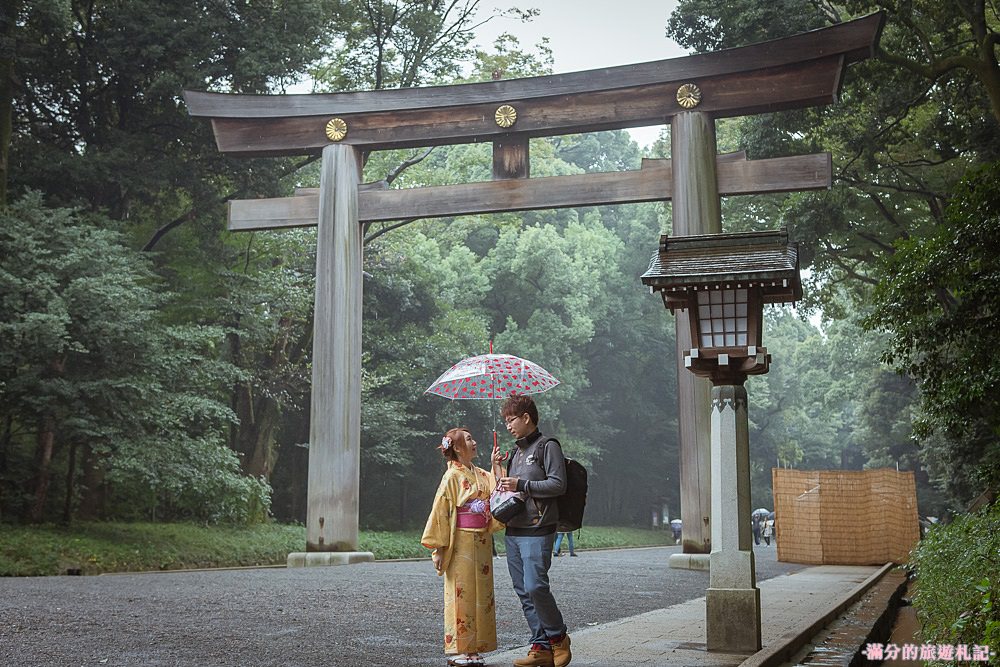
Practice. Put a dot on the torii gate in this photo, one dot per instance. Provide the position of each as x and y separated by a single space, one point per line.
689 92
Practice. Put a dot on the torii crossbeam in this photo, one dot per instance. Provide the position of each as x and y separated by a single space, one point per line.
689 92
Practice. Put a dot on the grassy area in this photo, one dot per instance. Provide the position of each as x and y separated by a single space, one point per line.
93 548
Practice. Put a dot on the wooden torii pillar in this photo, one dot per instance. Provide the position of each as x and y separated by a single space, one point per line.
689 92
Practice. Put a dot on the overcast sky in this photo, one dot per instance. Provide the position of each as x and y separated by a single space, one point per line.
584 34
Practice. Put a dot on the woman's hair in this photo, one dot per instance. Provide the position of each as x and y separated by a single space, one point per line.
517 404
452 437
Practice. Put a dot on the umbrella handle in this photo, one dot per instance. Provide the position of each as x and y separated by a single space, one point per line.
506 455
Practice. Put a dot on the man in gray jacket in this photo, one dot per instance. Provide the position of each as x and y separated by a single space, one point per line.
537 470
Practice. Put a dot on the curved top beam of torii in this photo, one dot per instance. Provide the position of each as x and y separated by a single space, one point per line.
792 72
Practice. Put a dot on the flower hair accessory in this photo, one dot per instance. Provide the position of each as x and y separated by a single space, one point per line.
445 442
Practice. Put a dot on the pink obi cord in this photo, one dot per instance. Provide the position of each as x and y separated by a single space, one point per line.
468 517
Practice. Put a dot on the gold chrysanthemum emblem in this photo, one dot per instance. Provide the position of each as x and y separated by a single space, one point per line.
336 129
506 116
688 96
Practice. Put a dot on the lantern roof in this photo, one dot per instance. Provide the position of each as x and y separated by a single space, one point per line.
767 260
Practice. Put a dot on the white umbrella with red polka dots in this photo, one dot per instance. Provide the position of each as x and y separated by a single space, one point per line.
492 376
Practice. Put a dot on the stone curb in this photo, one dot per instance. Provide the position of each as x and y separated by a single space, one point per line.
789 644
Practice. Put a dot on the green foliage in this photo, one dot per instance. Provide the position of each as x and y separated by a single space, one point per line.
97 88
704 25
508 60
958 581
86 365
939 303
803 412
384 44
907 126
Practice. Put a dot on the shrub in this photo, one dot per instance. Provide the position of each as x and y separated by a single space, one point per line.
958 581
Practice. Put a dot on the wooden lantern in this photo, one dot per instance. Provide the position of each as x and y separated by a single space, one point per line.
723 281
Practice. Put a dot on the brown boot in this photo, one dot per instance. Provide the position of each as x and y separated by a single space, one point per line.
561 654
538 656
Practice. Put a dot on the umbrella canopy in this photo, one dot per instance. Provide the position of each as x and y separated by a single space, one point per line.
492 376
762 511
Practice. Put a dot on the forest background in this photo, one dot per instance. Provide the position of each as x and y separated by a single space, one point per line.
155 367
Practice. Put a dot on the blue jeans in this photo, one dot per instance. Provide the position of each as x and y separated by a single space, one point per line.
528 560
559 539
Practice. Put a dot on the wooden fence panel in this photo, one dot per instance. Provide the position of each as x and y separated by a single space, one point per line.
845 517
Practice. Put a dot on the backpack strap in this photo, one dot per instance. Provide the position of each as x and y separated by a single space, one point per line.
541 450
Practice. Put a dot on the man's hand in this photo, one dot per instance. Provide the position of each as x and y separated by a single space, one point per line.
508 484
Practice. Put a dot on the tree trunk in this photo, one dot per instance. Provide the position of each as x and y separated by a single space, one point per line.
70 477
254 438
235 344
43 466
8 428
403 498
93 488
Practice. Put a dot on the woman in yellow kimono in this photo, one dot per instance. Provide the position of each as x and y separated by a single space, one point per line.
459 530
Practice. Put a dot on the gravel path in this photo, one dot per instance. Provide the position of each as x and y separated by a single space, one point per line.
386 613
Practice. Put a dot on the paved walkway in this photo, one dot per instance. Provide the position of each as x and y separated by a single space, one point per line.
791 606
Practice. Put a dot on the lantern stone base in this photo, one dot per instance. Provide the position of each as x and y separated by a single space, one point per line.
690 562
732 618
327 558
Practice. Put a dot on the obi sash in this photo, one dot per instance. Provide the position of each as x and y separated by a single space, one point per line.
468 517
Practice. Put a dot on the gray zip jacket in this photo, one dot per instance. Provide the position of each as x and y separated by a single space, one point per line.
540 467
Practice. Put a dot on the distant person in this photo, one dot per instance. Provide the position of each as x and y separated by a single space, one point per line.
755 523
459 532
675 528
768 531
559 541
537 469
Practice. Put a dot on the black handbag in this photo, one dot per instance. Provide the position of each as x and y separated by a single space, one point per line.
505 505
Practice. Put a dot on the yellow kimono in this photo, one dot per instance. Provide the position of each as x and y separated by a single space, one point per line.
470 624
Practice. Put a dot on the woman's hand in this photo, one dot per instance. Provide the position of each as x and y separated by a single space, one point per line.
497 457
436 559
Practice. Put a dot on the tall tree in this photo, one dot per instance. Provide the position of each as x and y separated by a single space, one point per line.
404 43
93 383
909 124
96 92
940 308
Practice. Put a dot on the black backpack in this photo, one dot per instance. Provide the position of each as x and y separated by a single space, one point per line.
574 500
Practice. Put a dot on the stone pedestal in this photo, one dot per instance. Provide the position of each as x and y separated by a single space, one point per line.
733 619
327 558
733 599
684 561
